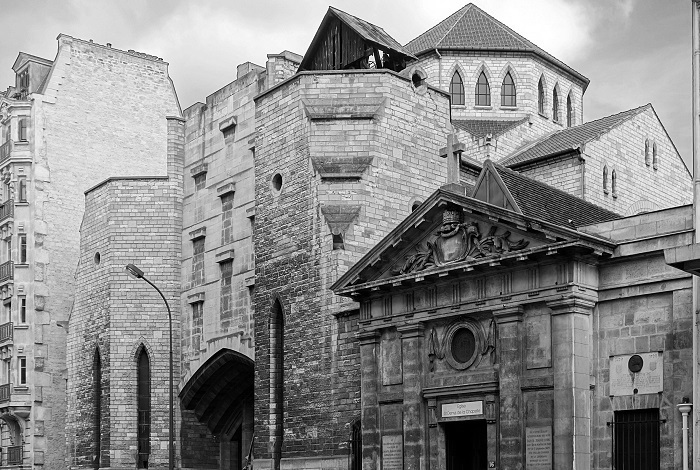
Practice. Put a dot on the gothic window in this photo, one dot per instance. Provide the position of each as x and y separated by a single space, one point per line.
605 179
97 400
143 408
540 96
457 90
555 105
483 91
226 290
277 380
614 183
508 91
569 112
647 160
198 261
655 157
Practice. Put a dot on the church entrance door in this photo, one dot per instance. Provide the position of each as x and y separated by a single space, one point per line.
466 445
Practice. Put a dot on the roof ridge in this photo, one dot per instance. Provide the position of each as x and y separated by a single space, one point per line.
465 7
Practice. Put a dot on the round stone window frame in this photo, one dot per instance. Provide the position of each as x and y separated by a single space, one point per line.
423 86
476 330
277 176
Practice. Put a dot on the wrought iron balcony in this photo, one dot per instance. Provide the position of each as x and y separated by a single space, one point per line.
6 331
14 455
7 271
5 394
7 209
5 151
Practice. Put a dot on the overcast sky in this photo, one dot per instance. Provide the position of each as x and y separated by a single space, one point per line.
633 51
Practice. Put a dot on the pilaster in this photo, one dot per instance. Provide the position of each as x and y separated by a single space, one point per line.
413 419
369 383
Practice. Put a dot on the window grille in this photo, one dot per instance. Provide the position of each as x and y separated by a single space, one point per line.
637 440
457 90
483 91
508 91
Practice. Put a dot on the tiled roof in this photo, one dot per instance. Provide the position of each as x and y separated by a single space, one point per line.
370 32
541 201
471 28
569 138
480 127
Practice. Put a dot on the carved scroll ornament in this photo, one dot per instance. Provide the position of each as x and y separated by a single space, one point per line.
456 241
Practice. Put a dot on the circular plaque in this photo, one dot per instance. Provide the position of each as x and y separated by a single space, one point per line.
463 345
635 363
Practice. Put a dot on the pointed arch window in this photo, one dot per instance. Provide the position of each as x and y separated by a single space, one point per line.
457 89
614 183
569 112
605 180
508 91
647 159
540 96
555 105
276 329
143 408
655 162
483 91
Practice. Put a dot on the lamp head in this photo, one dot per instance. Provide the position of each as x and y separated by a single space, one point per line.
134 271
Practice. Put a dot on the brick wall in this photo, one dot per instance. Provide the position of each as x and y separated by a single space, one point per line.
127 220
299 124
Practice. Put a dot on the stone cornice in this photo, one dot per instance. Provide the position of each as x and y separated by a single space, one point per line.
571 305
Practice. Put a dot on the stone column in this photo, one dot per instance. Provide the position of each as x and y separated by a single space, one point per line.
369 356
571 353
413 422
510 343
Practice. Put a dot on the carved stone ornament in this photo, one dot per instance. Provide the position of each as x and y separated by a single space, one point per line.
463 345
456 241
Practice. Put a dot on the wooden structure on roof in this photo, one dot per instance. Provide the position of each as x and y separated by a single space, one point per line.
345 42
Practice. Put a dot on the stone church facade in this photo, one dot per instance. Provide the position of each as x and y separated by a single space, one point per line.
387 250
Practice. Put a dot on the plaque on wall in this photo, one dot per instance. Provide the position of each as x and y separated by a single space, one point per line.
631 374
465 408
392 452
538 448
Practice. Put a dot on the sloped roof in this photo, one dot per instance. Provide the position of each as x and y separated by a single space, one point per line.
569 138
23 58
368 31
541 201
480 127
471 28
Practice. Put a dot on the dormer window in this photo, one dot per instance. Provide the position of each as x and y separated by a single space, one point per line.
24 81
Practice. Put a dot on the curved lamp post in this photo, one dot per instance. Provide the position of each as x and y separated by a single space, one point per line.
138 274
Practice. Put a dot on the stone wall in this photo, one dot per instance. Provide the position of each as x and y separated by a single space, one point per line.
344 154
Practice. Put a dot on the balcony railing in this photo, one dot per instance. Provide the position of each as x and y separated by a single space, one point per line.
5 150
7 271
5 392
14 455
6 332
7 209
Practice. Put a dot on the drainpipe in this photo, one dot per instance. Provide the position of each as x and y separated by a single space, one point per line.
685 408
439 69
582 160
696 208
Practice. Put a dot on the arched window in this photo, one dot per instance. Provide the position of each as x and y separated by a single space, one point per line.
97 400
614 183
605 179
483 91
508 91
555 105
143 408
277 381
647 158
356 445
457 89
569 112
540 96
656 157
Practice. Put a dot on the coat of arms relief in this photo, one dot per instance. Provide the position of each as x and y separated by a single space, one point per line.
457 241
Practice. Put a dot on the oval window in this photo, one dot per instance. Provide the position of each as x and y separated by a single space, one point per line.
463 345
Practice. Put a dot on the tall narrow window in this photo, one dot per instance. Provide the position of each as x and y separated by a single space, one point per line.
22 183
198 261
8 249
483 91
22 370
569 112
338 243
457 89
540 96
23 249
200 181
143 408
647 158
356 446
97 395
277 381
227 218
605 179
23 310
22 130
226 313
508 91
655 161
197 316
7 306
555 105
614 183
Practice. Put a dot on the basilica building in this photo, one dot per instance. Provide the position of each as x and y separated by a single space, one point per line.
387 256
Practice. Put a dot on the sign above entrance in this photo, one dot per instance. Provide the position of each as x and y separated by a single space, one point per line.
466 408
633 374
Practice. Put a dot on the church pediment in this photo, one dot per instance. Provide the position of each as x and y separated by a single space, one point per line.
451 232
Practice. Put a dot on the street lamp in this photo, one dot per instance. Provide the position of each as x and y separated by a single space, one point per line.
138 274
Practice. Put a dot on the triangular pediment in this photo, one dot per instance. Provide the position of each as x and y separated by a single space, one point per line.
453 232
